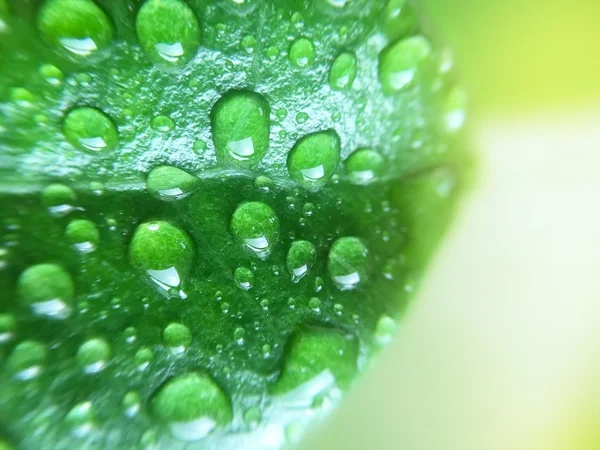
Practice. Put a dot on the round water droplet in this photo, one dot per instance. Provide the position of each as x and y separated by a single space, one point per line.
51 74
93 355
8 326
400 63
315 304
21 96
27 360
248 44
343 72
317 360
300 258
281 113
338 309
130 335
263 183
168 32
96 188
143 357
81 419
400 19
244 278
47 289
170 183
255 226
177 337
90 130
77 28
59 199
162 123
302 53
239 334
240 127
264 304
192 406
165 252
386 327
365 166
347 263
314 158
83 234
131 403
199 146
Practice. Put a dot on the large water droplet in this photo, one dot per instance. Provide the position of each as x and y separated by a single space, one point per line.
347 263
170 183
365 166
400 63
27 360
166 253
300 258
192 406
302 53
47 289
343 71
168 32
314 158
240 126
93 355
78 28
255 226
90 130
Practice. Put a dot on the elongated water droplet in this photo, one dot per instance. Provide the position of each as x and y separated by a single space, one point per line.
241 124
255 226
302 53
300 258
400 19
347 263
400 63
170 183
343 71
168 32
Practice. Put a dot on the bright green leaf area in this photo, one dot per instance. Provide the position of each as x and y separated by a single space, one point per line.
210 209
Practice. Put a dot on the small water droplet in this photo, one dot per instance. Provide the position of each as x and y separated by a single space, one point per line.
93 355
177 337
244 278
90 130
343 72
83 235
162 123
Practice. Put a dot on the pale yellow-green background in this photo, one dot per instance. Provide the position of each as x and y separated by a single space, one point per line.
501 349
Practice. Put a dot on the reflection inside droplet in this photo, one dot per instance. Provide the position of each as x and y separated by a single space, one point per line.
347 282
94 144
314 174
241 150
55 308
399 80
193 430
83 46
168 281
170 52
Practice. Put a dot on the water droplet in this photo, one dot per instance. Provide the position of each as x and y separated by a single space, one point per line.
170 183
83 235
454 110
338 309
81 419
314 158
343 71
399 63
264 304
319 283
192 406
315 304
292 303
239 334
162 123
255 227
52 74
244 278
347 263
297 20
199 146
8 326
300 258
148 440
166 253
59 199
177 337
77 28
272 52
301 117
225 307
302 53
384 332
143 357
47 289
27 360
400 19
168 32
89 129
365 166
96 188
308 209
248 44
281 113
317 360
93 355
131 403
241 126
263 183
266 349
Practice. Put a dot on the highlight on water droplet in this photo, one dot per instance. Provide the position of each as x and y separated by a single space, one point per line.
91 130
168 32
27 360
400 63
255 226
165 253
177 337
365 166
93 355
300 258
75 28
314 158
302 53
169 183
240 122
192 405
347 263
343 71
47 289
83 235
